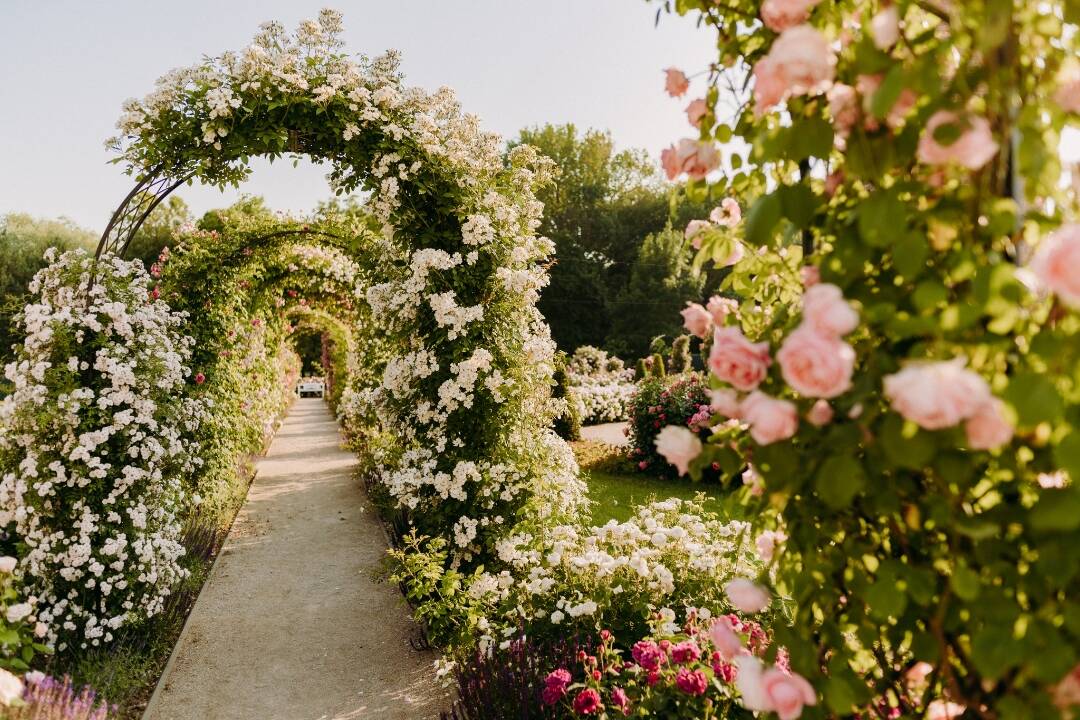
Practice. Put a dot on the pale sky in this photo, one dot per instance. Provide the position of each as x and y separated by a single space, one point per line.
67 65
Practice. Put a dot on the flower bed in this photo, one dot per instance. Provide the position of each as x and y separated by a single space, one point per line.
601 384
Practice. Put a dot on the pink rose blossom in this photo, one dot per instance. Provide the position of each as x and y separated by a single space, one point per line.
724 638
675 82
587 702
787 693
800 62
974 148
747 596
767 542
720 307
816 365
750 686
916 676
729 214
779 15
989 428
1057 264
752 479
1067 690
724 401
736 360
695 230
810 275
620 700
1068 95
696 159
678 446
843 106
770 419
885 27
648 655
686 651
200 378
827 312
821 414
696 111
691 682
696 319
936 395
942 710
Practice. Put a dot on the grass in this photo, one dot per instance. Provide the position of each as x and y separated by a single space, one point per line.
617 487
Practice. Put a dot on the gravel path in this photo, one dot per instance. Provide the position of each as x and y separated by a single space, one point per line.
610 433
291 625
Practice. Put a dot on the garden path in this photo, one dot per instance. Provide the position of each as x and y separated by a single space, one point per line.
610 433
291 625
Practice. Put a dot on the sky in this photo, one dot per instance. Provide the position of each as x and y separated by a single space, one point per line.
67 65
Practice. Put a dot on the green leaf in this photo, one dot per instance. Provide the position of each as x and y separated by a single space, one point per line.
798 203
812 137
1067 454
888 92
839 696
965 583
994 650
882 219
1035 398
762 219
885 599
839 480
1057 510
911 450
909 255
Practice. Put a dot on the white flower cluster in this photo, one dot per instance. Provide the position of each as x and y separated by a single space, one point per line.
602 386
94 449
671 553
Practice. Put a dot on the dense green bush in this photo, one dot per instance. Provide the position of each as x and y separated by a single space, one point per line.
665 400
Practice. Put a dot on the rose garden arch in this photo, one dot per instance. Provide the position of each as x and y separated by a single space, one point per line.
465 392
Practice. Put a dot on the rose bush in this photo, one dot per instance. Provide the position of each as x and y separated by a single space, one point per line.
922 458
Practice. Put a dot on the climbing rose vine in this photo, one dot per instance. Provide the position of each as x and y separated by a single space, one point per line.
900 362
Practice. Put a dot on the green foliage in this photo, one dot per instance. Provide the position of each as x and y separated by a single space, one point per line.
568 423
661 281
656 365
23 241
680 360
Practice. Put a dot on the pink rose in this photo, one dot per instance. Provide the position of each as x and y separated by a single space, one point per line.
684 652
769 419
916 676
936 395
737 253
736 360
766 543
800 62
816 365
843 106
867 85
885 28
826 310
724 638
696 159
695 111
786 693
729 214
648 655
989 427
675 82
1067 690
1068 95
941 710
720 307
695 230
810 275
974 148
1057 264
696 319
691 682
724 401
779 15
747 596
820 414
678 446
587 702
620 700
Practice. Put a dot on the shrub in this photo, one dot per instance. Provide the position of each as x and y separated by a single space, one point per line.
94 450
568 422
600 384
678 400
680 355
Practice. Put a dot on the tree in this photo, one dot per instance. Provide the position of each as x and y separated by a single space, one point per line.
23 241
661 281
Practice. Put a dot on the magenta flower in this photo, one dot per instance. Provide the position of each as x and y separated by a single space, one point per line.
647 654
691 682
587 702
685 652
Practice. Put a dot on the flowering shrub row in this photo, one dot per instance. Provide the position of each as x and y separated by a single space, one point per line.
601 385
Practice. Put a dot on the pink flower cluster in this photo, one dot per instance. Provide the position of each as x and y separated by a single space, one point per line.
1057 264
694 158
939 395
814 361
974 147
800 62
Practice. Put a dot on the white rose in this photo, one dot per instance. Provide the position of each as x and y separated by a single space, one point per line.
679 446
11 687
7 564
17 612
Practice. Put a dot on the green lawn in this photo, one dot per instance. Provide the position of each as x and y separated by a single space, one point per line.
617 488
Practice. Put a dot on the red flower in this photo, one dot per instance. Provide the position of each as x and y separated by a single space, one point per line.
199 378
587 702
